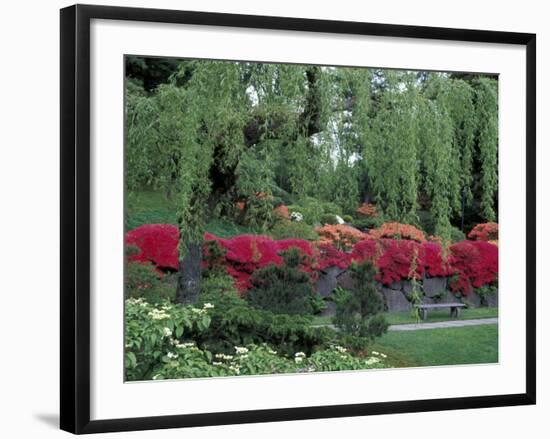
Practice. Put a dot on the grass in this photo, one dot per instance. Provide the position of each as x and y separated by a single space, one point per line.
437 347
433 316
152 207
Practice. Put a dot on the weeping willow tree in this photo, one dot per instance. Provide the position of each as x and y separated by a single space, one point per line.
391 150
209 139
486 109
219 132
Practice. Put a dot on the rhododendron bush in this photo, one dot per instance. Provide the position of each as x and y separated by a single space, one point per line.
247 253
475 263
157 243
398 231
367 209
341 236
471 264
484 232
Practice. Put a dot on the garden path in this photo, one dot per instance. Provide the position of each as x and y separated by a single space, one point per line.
436 325
446 324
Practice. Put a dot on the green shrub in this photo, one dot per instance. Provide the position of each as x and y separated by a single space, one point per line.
291 229
368 222
332 208
189 361
456 234
143 280
328 218
359 312
347 218
313 209
425 221
236 323
484 292
152 331
282 289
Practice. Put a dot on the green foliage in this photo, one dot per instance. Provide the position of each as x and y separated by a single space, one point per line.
485 291
347 218
408 141
236 323
368 222
328 218
487 136
359 312
456 234
152 331
293 229
191 362
283 289
391 151
142 280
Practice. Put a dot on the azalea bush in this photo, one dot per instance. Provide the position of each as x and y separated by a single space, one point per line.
248 253
474 263
155 243
484 232
398 231
367 209
340 236
470 263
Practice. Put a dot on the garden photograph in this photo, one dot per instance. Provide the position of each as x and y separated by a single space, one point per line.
291 219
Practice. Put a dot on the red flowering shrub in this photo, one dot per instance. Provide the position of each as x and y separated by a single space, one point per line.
330 256
474 263
399 260
341 236
434 261
247 253
156 243
398 231
471 263
368 249
367 209
484 232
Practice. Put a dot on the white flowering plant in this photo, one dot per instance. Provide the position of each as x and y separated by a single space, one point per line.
191 362
296 216
152 331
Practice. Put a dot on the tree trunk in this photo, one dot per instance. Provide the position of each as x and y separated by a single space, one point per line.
189 279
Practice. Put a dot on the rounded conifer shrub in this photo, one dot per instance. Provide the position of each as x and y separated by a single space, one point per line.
283 289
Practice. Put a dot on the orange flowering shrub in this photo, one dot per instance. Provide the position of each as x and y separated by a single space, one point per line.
484 232
282 211
341 236
367 209
398 231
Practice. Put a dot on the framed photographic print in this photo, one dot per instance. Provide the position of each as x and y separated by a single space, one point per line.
268 218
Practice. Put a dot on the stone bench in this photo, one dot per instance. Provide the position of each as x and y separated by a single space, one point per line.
424 307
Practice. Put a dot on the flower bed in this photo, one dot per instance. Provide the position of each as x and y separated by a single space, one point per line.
469 264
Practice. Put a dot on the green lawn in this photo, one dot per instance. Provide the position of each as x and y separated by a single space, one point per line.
436 347
433 316
155 208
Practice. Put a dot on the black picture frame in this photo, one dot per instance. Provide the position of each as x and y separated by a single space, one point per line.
75 217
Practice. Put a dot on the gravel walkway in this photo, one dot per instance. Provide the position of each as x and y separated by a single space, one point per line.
446 324
436 325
